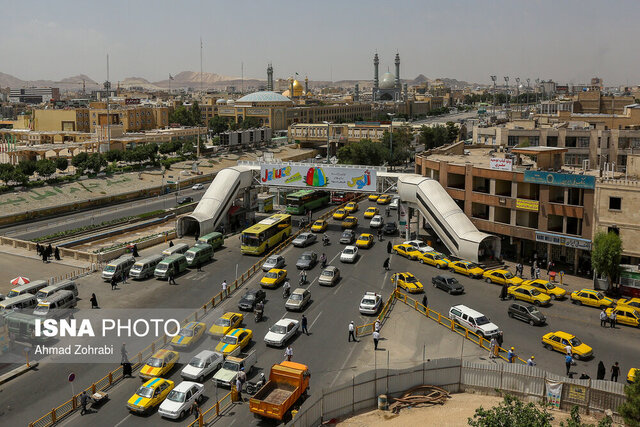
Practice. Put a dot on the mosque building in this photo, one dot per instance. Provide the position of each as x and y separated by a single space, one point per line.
387 88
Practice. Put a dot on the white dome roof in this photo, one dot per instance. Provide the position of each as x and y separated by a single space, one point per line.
264 96
387 81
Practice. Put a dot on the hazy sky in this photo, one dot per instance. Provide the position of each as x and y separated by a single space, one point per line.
569 41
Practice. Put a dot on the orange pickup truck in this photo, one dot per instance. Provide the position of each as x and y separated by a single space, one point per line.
288 381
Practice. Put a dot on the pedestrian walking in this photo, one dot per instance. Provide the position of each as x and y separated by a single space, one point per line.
195 409
531 361
172 280
304 325
224 288
135 250
615 371
44 255
389 246
56 254
197 236
352 331
171 243
511 355
568 360
603 318
239 389
376 338
376 326
549 266
493 347
613 318
602 371
114 282
425 300
288 353
94 301
49 250
520 269
242 375
500 338
537 272
503 292
533 270
385 265
84 399
38 249
124 354
568 350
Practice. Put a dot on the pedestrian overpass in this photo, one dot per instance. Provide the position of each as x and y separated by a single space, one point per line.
448 221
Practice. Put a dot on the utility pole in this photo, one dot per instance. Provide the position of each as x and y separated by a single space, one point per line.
201 97
493 79
108 109
391 139
528 89
506 79
518 94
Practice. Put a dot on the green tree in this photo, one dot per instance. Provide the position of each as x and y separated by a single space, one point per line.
182 116
250 123
80 160
95 162
630 409
196 113
6 171
511 412
452 132
45 167
576 421
218 124
605 256
19 177
27 167
62 163
363 152
113 155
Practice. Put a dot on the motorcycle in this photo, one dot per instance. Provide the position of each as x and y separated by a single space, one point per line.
253 387
258 315
285 293
323 263
325 241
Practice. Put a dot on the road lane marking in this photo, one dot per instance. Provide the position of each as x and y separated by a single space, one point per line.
123 420
314 322
346 360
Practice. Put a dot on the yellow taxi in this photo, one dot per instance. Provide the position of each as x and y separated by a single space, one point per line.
591 297
501 277
630 302
319 226
384 199
437 259
365 240
371 212
339 214
225 323
633 375
408 282
547 287
625 315
149 395
373 197
529 294
466 268
273 278
189 335
351 207
232 343
350 222
407 251
159 364
559 340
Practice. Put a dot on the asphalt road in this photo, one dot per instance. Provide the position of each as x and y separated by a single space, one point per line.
96 216
326 350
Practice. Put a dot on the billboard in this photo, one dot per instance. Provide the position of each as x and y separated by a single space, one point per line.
501 164
318 176
528 205
560 179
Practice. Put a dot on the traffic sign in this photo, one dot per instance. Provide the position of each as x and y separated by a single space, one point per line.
72 377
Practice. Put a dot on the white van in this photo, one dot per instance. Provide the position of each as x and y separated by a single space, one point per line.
64 285
180 248
473 320
118 267
28 288
145 267
20 302
59 300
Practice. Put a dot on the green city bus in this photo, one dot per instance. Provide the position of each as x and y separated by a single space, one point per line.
266 234
303 200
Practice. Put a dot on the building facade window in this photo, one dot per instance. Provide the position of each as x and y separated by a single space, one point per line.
512 141
583 141
615 203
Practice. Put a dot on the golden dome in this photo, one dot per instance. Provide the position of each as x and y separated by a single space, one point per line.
287 93
296 85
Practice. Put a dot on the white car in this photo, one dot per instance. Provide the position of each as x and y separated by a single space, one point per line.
202 364
419 245
349 254
281 332
197 187
178 402
274 261
304 239
394 203
370 303
376 221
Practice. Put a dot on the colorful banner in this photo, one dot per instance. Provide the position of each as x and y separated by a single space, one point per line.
528 205
501 164
560 179
316 176
554 393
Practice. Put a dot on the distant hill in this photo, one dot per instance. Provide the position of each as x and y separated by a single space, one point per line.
192 79
68 83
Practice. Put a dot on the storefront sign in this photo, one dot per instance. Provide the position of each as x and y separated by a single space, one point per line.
528 205
327 177
563 240
560 179
577 392
501 164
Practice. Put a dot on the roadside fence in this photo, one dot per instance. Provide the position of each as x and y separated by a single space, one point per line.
526 382
115 376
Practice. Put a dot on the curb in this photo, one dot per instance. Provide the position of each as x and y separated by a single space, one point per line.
17 372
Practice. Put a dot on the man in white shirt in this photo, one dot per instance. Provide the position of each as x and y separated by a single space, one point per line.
376 337
352 330
288 353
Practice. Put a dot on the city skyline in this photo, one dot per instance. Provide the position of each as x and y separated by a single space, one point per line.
567 42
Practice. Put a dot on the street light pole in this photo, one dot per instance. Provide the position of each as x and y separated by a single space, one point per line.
493 79
528 89
506 79
391 138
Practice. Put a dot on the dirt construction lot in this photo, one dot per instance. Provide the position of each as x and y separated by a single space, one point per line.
454 413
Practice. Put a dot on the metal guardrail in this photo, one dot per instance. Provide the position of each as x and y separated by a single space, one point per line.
276 161
112 377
